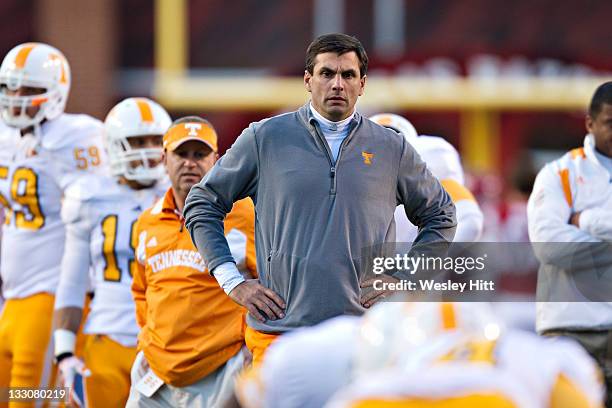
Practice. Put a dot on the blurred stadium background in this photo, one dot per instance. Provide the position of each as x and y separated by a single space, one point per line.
506 82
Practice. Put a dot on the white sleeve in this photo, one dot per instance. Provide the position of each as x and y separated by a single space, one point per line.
405 231
441 157
84 156
454 169
228 276
597 221
469 221
548 215
74 278
548 212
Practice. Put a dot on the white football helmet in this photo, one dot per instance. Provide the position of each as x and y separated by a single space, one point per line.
397 123
400 333
130 118
33 65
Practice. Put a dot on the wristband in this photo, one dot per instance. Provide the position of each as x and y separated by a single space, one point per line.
64 341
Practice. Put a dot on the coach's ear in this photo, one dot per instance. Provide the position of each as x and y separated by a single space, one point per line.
307 78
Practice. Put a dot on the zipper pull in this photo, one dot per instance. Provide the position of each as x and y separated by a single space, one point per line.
333 180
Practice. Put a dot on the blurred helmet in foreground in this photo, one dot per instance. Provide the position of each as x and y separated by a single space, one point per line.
398 333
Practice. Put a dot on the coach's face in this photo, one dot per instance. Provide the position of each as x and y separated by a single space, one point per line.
188 163
335 84
601 128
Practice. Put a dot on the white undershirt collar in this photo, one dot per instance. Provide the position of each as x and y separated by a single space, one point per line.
328 125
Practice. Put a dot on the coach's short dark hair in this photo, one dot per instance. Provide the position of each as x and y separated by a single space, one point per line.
337 43
603 94
190 119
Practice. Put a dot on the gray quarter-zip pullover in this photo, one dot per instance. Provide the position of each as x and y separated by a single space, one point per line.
314 217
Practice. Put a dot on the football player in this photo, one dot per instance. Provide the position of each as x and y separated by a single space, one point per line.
420 355
42 152
100 213
443 161
404 359
306 367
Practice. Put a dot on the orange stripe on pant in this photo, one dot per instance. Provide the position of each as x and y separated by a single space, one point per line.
257 342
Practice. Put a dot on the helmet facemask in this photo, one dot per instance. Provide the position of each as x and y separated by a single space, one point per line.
135 164
44 68
14 108
130 128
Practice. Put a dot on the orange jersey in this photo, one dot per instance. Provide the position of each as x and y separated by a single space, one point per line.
190 327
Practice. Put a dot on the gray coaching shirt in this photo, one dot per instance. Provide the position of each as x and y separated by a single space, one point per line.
315 217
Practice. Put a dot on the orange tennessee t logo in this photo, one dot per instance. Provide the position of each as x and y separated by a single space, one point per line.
367 157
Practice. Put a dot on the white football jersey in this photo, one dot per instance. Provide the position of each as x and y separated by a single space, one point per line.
100 215
443 161
441 157
34 172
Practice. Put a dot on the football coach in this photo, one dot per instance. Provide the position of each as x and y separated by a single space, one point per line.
325 182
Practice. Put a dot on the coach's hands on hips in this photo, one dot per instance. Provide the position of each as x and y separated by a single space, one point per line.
370 298
262 303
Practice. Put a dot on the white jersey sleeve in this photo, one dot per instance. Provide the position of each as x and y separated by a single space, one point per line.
441 157
444 163
405 231
75 277
470 221
548 212
77 142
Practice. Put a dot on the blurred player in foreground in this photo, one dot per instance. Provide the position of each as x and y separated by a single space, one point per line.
420 355
443 161
42 152
192 334
100 212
